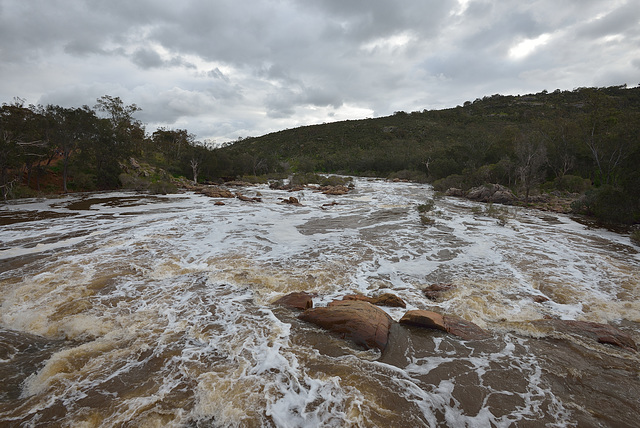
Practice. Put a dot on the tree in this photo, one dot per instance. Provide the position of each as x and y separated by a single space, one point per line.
22 143
531 156
605 145
127 131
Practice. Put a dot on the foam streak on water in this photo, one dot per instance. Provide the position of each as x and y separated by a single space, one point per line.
138 310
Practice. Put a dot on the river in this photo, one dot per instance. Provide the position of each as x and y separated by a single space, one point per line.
126 309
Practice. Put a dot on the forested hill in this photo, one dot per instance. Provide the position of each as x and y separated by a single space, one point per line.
561 140
585 140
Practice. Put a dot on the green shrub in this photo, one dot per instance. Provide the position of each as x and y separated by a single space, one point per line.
606 203
635 237
305 178
452 181
572 183
83 181
132 182
335 180
162 188
427 206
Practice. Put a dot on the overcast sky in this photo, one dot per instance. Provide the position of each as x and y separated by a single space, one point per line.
237 68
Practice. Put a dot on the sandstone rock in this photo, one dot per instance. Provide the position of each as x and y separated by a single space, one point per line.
296 300
386 299
216 192
539 298
219 203
435 291
448 323
453 191
492 193
603 333
292 200
239 183
334 190
360 322
247 199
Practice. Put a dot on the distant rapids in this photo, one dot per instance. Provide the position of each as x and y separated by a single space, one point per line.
128 309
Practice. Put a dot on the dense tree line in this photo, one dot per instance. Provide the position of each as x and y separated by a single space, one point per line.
585 140
89 148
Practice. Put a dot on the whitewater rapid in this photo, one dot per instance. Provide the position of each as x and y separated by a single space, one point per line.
129 309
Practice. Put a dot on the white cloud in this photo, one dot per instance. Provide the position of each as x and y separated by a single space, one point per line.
527 46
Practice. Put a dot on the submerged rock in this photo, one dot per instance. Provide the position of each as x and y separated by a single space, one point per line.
362 323
296 300
435 291
247 198
386 299
448 323
603 333
292 200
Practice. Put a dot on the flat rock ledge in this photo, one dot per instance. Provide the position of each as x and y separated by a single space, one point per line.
602 333
448 323
362 323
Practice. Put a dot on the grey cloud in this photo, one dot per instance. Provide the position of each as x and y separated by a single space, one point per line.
624 18
220 64
147 58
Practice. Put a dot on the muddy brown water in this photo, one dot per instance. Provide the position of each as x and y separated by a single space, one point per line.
122 309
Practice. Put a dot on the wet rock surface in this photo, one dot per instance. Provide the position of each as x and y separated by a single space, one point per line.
386 299
297 300
602 333
216 192
435 291
448 323
364 324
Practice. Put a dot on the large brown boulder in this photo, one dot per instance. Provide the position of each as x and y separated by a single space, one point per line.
386 299
603 333
448 323
296 300
360 322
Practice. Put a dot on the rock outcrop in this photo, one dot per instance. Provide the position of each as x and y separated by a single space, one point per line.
448 323
386 299
292 200
297 300
364 324
492 193
334 190
247 198
602 333
454 191
215 192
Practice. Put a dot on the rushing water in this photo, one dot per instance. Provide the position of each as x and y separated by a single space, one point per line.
121 309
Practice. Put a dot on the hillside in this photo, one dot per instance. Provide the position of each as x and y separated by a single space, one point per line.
581 141
569 141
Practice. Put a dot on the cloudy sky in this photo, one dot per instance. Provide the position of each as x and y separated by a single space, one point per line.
234 68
